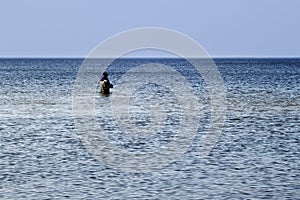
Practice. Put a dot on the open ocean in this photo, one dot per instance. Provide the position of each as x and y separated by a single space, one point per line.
256 156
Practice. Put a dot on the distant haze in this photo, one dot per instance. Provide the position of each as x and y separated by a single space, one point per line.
225 28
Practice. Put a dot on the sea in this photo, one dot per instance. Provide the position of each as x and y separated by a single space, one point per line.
44 153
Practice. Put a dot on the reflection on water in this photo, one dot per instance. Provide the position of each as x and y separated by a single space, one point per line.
257 156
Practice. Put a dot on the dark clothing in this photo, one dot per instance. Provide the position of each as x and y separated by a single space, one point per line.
107 81
106 85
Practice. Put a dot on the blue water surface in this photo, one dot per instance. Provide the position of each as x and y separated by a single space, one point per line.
256 156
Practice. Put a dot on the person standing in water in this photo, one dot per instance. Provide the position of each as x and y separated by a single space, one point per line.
105 84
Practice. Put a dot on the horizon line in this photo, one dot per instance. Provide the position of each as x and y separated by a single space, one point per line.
141 57
149 57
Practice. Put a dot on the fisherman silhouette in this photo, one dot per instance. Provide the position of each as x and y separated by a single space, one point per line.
105 84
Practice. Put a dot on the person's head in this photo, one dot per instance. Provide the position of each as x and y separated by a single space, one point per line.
105 74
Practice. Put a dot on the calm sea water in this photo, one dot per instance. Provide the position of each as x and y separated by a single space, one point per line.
256 156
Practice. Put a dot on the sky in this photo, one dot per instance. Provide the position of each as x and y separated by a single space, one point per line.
225 28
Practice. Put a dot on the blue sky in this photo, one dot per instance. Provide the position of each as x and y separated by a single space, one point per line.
70 28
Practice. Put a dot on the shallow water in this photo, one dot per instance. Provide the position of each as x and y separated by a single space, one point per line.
256 156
